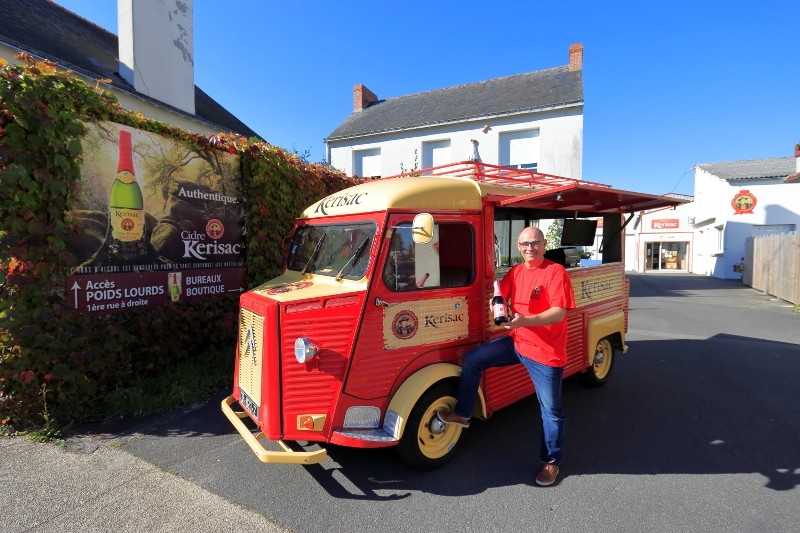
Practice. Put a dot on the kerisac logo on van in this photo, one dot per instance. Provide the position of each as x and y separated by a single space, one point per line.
598 288
434 321
341 200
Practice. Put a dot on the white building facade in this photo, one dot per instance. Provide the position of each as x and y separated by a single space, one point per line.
733 201
532 120
740 199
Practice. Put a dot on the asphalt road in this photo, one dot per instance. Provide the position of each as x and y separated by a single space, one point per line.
697 430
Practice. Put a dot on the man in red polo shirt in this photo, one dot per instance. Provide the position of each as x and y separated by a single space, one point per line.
540 293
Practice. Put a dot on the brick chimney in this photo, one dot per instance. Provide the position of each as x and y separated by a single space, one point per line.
362 97
575 57
795 178
797 157
156 50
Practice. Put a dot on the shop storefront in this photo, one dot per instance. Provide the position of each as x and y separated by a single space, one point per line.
663 241
670 256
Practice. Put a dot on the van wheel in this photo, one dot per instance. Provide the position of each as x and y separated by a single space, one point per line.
600 369
427 443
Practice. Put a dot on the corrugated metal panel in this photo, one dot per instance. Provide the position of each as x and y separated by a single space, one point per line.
505 385
251 356
376 369
576 343
313 387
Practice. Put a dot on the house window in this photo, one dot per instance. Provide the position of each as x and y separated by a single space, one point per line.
520 149
436 153
367 163
718 236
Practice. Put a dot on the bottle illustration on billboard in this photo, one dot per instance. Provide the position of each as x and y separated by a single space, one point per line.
174 286
126 206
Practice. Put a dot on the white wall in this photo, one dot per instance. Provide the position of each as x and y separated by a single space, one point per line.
720 233
560 143
156 49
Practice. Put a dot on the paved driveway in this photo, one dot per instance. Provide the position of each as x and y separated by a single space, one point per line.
697 430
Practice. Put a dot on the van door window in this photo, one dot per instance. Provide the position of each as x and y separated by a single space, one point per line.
448 260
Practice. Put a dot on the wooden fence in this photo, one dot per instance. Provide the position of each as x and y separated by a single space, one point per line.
772 265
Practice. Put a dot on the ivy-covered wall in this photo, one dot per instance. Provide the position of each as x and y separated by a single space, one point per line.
55 364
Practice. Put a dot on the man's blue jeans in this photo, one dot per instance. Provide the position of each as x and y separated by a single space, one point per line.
546 380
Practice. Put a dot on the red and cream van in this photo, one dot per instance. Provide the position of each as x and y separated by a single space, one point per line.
386 285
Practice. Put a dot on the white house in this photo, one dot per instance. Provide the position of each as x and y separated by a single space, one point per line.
532 120
149 67
739 199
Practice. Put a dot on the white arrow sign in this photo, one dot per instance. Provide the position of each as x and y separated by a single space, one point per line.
75 289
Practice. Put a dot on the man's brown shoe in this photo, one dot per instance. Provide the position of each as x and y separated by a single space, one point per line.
452 418
547 475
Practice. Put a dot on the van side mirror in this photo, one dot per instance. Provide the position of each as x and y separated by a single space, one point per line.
422 228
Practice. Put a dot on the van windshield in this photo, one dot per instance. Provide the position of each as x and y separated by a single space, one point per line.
336 250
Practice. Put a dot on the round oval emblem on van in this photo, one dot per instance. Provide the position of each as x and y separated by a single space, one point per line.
288 287
404 325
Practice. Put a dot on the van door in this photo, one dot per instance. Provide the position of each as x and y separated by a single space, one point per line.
425 304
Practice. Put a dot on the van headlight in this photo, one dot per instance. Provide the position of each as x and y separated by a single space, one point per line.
304 350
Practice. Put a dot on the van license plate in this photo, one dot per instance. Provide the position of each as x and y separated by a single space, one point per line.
249 404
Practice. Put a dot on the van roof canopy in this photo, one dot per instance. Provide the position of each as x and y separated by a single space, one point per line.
466 186
551 192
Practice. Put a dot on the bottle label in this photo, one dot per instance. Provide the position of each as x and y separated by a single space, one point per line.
127 225
126 177
499 310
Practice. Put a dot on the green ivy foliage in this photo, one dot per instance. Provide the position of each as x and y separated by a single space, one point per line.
56 365
280 187
553 235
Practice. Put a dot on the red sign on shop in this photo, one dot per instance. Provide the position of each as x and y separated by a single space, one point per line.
665 223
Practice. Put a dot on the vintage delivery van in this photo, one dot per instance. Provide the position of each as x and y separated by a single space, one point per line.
386 285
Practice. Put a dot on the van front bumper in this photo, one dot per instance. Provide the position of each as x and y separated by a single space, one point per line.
288 456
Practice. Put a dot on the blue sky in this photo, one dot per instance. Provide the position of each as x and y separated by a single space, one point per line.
667 85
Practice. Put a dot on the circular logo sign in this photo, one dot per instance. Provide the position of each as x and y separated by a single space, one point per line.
404 325
127 224
215 229
744 202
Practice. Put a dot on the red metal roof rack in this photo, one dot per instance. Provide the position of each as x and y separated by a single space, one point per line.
498 175
547 191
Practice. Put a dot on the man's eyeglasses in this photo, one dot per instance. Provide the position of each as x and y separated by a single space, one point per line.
530 244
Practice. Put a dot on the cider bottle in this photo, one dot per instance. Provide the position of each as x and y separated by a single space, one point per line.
499 306
126 207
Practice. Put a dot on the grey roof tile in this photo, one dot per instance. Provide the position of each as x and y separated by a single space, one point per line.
770 168
496 97
45 29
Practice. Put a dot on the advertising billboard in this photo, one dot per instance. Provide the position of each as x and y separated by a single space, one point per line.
157 221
